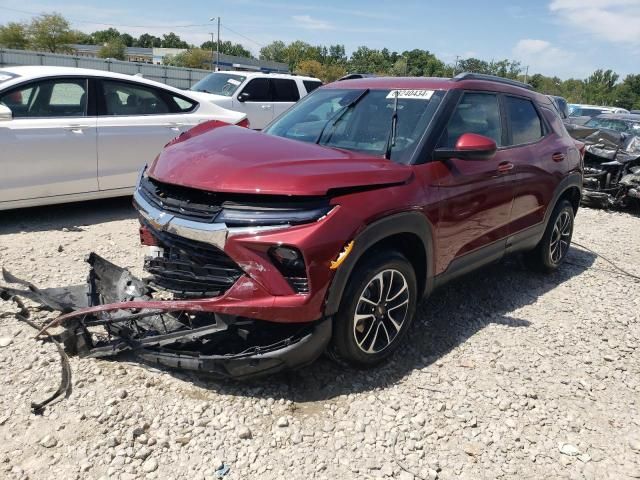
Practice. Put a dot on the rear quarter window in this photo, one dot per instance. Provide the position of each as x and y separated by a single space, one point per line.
311 85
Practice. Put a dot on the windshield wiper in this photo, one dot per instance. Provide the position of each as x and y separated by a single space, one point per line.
339 114
391 141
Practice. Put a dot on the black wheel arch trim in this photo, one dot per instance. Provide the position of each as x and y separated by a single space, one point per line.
400 223
574 179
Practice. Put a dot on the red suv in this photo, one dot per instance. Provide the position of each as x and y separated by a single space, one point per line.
324 231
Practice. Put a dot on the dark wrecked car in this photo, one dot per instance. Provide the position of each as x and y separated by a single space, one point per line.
326 230
611 160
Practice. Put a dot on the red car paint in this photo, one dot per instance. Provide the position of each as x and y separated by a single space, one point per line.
247 161
469 206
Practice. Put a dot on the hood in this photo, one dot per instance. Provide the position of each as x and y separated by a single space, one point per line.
226 158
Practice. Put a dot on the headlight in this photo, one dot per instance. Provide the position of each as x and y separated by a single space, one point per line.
255 217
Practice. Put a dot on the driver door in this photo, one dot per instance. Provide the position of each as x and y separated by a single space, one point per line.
475 200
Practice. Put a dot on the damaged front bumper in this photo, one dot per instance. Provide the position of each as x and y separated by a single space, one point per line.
117 312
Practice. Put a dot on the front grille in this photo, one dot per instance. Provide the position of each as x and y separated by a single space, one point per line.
189 268
183 202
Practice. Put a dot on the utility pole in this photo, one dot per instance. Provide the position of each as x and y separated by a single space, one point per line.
217 47
526 74
212 42
455 66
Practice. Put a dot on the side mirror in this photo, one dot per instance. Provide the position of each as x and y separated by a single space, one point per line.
244 96
5 113
470 146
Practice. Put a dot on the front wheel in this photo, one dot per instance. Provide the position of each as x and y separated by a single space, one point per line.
376 309
552 249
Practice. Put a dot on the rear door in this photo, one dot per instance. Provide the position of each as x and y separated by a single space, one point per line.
538 156
257 103
49 147
285 94
475 200
135 122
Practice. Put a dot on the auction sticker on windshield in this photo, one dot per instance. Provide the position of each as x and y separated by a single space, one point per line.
414 94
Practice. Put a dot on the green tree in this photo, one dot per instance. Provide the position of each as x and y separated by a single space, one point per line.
599 87
192 58
505 68
101 37
275 51
474 65
337 54
228 48
51 32
14 35
310 68
171 40
149 41
298 51
367 60
115 49
627 93
423 63
82 38
127 39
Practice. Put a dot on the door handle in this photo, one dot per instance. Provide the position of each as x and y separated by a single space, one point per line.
174 126
76 128
265 107
558 157
505 167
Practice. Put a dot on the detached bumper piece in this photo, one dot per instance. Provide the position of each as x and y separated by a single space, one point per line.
611 167
116 312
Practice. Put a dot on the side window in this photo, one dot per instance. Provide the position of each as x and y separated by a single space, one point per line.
122 98
285 90
258 90
183 104
49 98
526 126
476 113
311 85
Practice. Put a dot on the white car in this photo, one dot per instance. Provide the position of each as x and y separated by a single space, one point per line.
69 134
262 96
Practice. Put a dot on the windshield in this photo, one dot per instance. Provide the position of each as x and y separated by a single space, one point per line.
618 125
219 83
361 120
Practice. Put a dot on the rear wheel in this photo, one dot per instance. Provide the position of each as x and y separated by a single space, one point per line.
376 310
552 249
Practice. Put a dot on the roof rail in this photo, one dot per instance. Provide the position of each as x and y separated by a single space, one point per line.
490 78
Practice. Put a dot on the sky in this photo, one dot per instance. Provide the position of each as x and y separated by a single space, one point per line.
567 38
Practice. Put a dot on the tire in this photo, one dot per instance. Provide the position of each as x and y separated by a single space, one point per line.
365 329
554 245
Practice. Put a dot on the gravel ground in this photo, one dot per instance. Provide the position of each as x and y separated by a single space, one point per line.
506 374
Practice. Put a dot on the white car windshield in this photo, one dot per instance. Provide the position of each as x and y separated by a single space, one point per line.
386 123
219 83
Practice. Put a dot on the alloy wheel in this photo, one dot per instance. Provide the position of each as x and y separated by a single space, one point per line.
560 237
381 311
